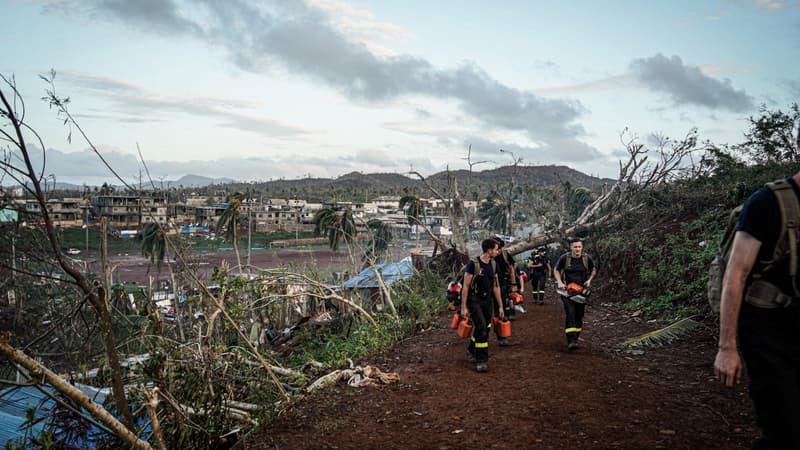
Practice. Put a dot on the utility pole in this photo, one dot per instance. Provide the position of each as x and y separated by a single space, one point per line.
86 227
249 231
104 253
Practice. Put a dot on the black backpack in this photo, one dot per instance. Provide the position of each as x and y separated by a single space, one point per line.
479 273
785 247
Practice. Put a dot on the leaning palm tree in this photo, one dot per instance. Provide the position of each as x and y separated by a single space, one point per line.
229 222
338 224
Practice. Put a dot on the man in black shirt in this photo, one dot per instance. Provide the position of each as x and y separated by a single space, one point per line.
507 276
574 267
539 266
768 334
481 290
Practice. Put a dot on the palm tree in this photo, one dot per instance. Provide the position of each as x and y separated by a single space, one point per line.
494 213
228 222
577 200
415 211
338 224
153 243
381 236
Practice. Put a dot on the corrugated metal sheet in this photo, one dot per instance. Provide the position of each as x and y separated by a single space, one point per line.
390 272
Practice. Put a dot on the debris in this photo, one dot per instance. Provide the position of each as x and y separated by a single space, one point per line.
356 377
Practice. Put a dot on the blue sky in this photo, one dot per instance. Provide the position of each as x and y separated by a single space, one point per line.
262 90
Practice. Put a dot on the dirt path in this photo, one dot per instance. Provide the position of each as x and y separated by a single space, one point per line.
535 395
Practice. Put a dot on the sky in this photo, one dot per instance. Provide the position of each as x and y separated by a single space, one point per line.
262 90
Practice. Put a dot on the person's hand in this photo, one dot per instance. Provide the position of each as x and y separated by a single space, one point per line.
587 284
501 314
562 286
728 367
464 313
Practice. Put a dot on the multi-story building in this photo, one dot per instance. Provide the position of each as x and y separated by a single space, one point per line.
154 208
208 215
182 213
69 212
387 203
129 211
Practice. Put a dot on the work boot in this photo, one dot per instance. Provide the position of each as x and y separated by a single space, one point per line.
519 308
572 341
503 342
471 357
482 367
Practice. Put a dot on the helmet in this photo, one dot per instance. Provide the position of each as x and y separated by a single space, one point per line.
575 288
541 249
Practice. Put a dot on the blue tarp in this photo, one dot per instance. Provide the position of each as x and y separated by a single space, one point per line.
390 272
15 401
8 215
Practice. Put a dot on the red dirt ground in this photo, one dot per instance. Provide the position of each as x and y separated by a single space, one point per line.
535 395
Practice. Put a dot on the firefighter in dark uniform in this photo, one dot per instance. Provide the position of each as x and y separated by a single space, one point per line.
574 267
540 270
507 275
481 290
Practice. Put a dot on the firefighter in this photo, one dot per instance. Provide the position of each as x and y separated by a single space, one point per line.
507 275
539 266
453 295
481 290
574 266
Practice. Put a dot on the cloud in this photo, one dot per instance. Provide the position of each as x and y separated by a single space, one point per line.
557 151
86 167
604 84
770 5
302 38
687 85
133 104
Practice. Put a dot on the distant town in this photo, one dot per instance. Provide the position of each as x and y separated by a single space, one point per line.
127 213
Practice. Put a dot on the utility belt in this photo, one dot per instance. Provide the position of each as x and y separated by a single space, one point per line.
763 294
480 296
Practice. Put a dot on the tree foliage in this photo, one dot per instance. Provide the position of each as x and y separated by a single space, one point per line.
771 135
336 223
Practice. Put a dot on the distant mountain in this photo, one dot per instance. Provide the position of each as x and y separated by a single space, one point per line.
356 186
362 187
198 181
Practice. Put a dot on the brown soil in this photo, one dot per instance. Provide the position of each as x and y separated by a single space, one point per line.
535 395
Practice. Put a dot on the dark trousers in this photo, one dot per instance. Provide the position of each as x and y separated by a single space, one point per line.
480 312
770 344
574 319
538 280
508 305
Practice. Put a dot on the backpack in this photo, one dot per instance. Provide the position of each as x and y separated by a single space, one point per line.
786 245
511 274
473 286
584 260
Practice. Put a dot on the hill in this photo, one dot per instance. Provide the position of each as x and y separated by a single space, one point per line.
356 186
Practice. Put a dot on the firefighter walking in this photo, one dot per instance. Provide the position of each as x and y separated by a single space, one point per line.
540 271
480 292
578 267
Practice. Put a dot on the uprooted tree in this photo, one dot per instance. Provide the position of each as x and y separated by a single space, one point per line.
646 168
